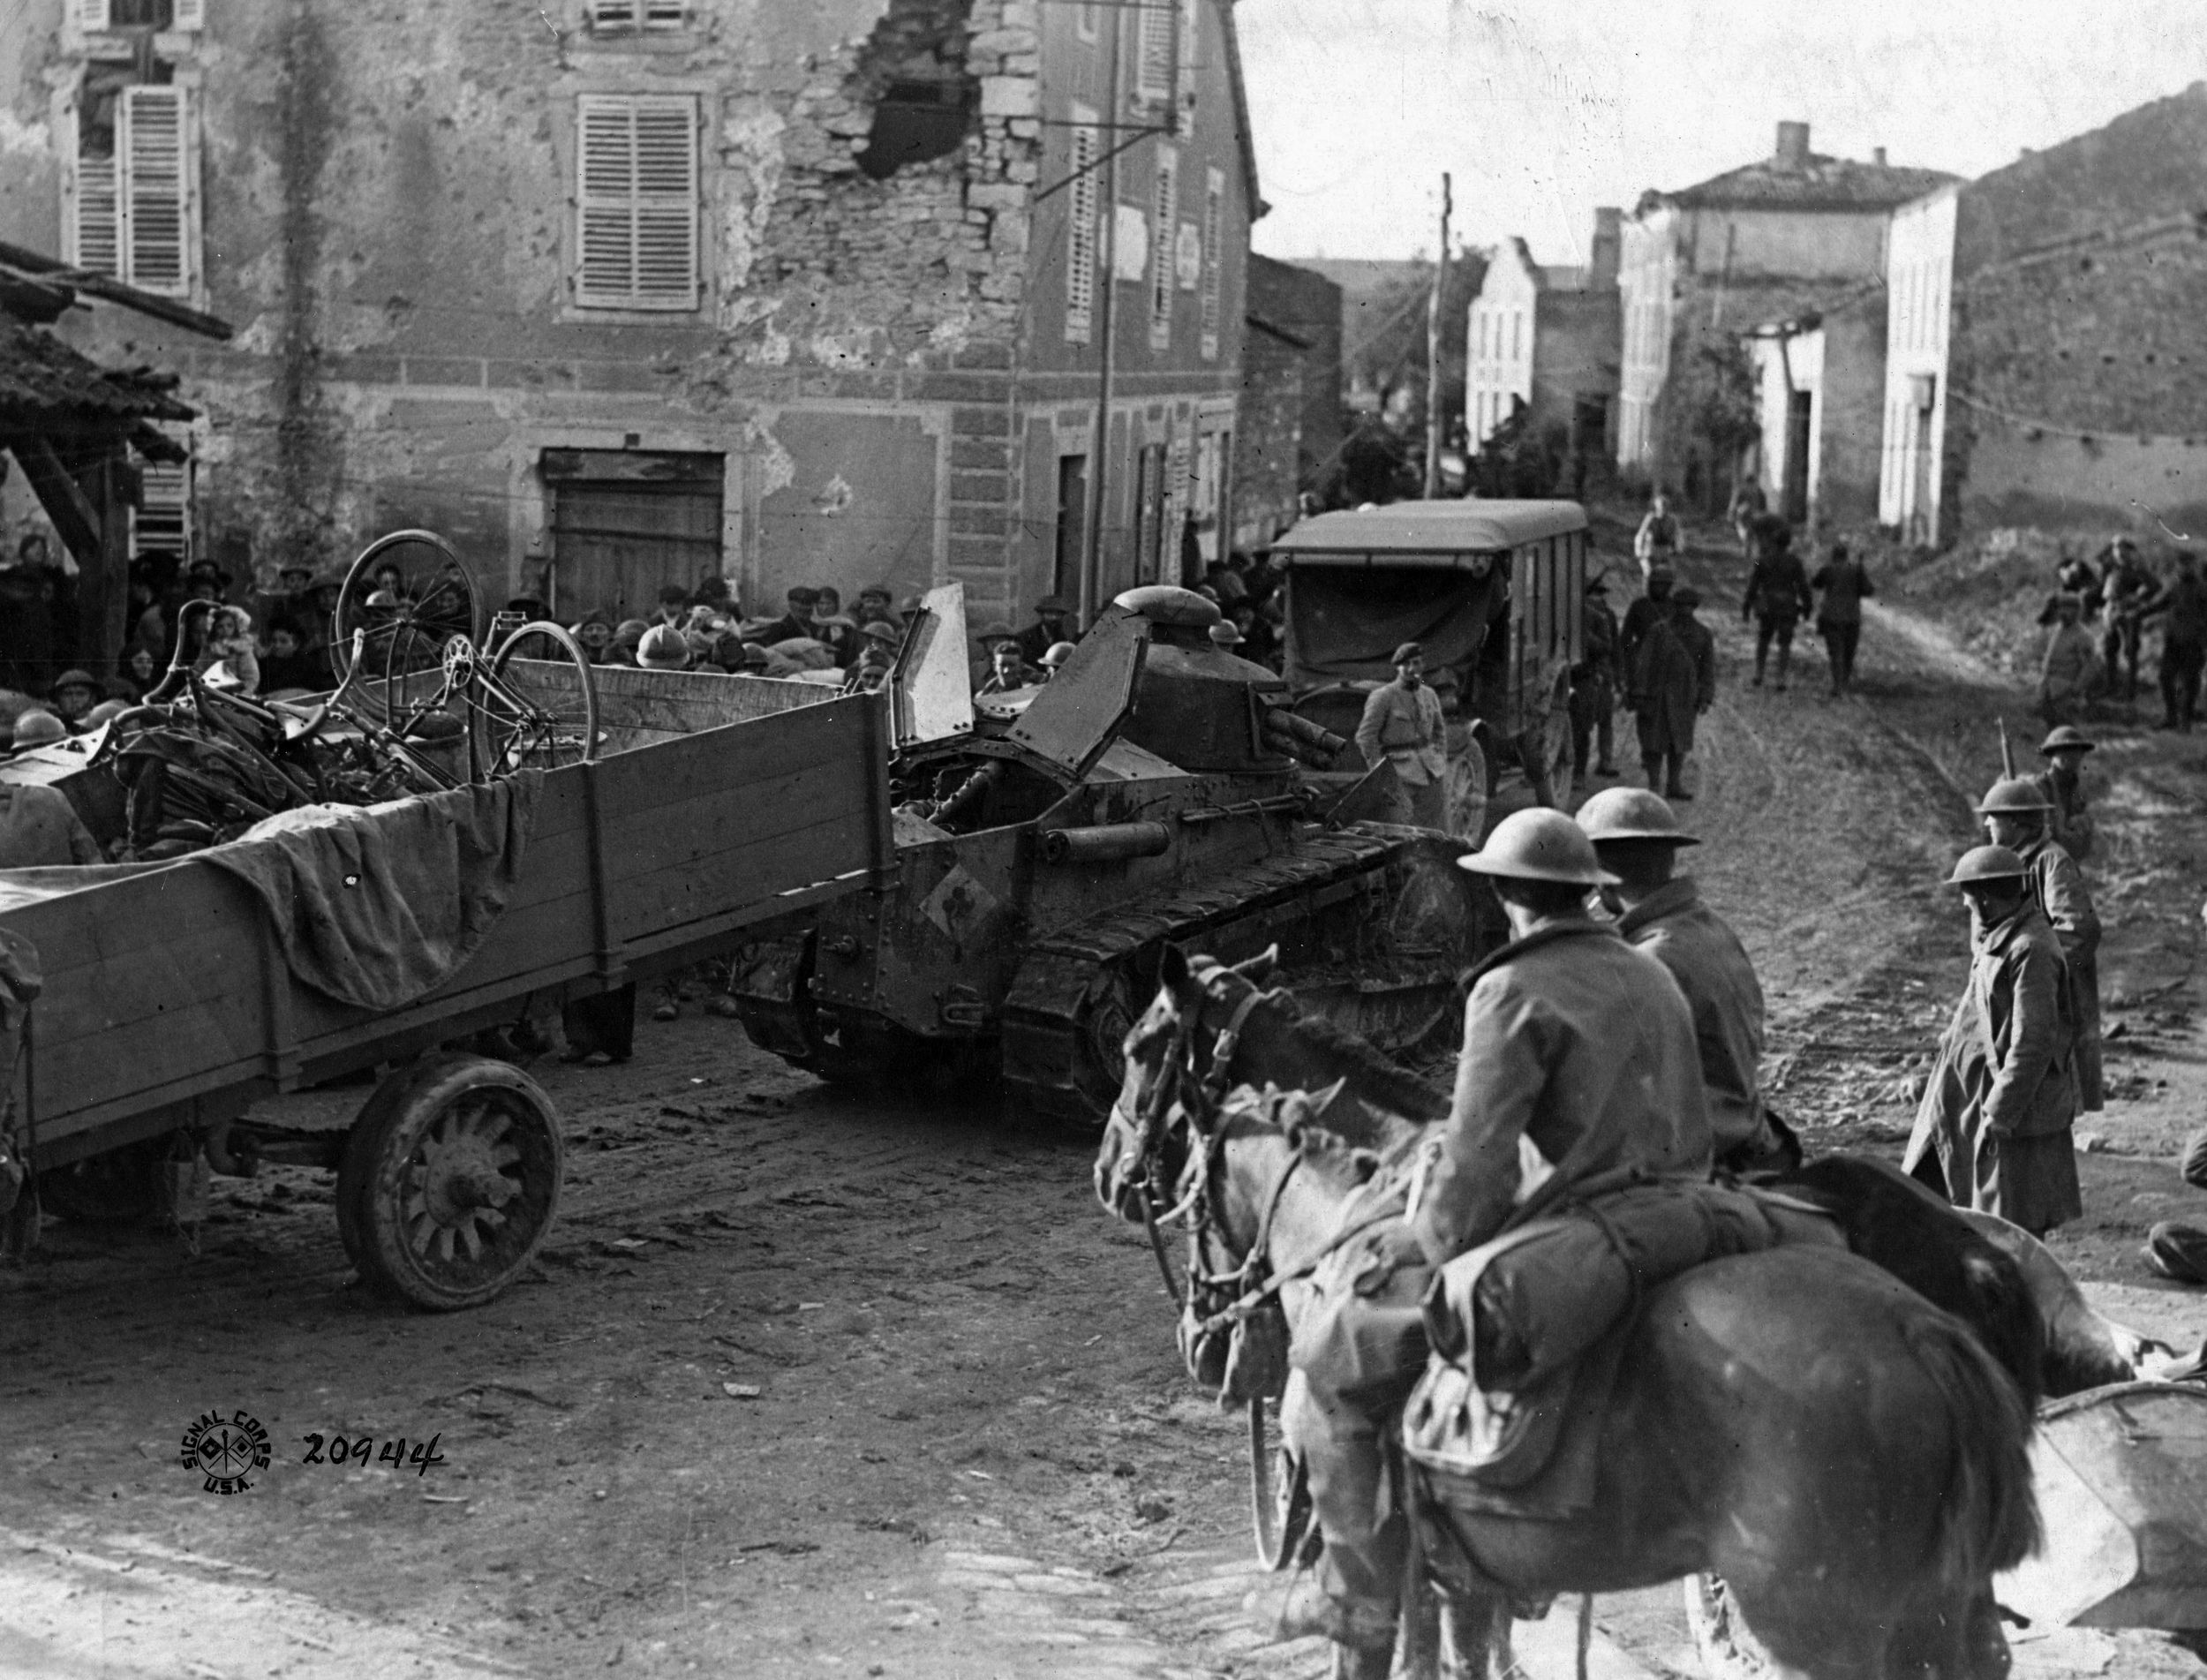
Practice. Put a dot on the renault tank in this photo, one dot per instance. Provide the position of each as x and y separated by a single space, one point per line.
1052 842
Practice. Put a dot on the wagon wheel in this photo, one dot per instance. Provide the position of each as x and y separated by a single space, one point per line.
1279 1494
1730 1649
537 707
1556 742
1467 785
403 629
451 1181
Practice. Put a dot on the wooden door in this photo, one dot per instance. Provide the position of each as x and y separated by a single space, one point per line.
625 524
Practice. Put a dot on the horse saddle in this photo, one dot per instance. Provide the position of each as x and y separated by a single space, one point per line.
1528 1332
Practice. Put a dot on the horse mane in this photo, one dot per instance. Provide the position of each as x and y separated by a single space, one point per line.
1415 1098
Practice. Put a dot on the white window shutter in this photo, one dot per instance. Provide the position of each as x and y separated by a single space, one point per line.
1155 40
1081 210
1184 67
91 15
665 14
611 14
637 202
95 225
1214 258
191 16
1165 218
161 523
150 140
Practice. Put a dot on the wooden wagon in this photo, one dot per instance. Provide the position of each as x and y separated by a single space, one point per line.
167 1006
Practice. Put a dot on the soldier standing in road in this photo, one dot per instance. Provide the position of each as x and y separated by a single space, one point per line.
1673 683
1993 1130
1658 541
1777 596
2067 670
1651 606
1638 838
2062 781
2014 812
1579 1055
2127 588
1402 726
1845 583
1594 683
2182 606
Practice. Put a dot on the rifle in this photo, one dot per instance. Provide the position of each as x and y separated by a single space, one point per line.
2007 749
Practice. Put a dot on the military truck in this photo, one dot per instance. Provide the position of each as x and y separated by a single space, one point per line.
1492 590
1052 842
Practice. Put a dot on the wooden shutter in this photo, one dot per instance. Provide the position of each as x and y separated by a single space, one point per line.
1155 39
612 15
191 16
161 523
91 16
1165 216
1081 210
150 141
636 203
1214 258
665 14
95 225
1184 68
617 16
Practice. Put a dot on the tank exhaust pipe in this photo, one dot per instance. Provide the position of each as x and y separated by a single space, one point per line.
1107 843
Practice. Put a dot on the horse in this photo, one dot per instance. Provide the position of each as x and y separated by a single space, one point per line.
1848 1458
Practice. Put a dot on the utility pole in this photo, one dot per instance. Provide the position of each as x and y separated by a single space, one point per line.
1435 431
1091 554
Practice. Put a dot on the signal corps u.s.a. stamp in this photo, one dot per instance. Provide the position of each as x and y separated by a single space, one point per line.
226 1451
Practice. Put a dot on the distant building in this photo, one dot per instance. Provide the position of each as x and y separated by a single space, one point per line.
1769 240
1383 326
1288 438
2043 358
1547 338
1821 394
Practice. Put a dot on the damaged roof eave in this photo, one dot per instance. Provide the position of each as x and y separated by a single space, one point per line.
1242 136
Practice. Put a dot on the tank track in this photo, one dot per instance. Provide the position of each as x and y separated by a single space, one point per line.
1079 987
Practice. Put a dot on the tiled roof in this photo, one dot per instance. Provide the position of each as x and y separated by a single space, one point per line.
44 383
1820 182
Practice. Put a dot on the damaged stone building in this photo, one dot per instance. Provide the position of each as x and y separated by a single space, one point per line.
621 292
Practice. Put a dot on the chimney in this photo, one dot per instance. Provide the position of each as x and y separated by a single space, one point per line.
1793 148
1877 155
1602 266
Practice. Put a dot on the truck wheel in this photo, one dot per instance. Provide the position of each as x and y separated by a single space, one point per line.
451 1181
117 1187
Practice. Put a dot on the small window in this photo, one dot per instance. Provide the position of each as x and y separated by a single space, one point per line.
637 202
1214 257
637 17
914 121
1165 216
1081 210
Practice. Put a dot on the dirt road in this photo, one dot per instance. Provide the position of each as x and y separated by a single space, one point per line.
809 1382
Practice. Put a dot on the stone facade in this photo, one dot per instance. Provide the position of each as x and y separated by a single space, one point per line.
2052 366
861 339
1289 429
1820 396
1548 336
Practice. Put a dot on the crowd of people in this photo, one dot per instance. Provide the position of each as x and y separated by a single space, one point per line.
2097 624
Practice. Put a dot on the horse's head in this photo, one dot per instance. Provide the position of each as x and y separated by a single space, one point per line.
1178 1057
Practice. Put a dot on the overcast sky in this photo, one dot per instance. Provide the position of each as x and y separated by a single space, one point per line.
1543 109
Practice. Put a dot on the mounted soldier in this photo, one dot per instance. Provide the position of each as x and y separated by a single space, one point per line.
1578 1072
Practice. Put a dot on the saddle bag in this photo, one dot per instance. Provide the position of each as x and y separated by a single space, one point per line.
1242 1361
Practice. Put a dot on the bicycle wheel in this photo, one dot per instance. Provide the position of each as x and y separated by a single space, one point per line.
536 706
405 598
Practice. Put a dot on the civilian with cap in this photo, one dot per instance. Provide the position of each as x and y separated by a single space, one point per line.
875 603
673 605
2014 812
1051 614
1595 681
1845 584
1403 728
793 624
1638 838
831 626
74 694
1578 1065
1006 669
1993 1130
1672 682
663 648
2070 667
2062 782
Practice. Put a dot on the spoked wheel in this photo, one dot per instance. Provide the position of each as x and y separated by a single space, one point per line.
1555 741
451 1181
538 707
1279 1494
1728 1648
404 600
